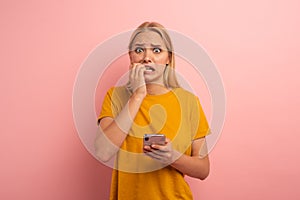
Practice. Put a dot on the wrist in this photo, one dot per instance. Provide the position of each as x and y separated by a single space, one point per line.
175 157
138 96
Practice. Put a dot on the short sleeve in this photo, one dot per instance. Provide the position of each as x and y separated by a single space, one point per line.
200 127
114 101
106 110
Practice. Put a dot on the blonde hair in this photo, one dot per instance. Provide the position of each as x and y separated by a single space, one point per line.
169 76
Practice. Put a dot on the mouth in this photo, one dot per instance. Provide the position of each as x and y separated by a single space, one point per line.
149 68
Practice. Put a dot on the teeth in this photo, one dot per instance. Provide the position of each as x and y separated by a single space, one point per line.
148 68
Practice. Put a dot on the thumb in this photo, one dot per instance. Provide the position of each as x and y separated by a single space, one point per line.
168 140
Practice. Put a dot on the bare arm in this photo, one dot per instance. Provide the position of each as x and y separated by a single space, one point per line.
112 132
196 165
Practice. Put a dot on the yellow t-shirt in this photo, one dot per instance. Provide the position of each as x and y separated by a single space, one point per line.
176 114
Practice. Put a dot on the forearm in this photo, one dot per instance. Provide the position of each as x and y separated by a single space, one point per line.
108 141
111 134
193 166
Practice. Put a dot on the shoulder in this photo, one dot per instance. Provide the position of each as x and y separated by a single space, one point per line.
117 90
119 93
187 98
183 93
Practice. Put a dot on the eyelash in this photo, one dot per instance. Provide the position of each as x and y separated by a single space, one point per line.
139 50
157 49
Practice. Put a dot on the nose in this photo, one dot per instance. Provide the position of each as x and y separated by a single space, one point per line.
147 56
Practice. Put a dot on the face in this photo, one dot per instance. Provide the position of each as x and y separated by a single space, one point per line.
149 49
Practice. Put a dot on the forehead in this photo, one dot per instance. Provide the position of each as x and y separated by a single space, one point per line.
148 38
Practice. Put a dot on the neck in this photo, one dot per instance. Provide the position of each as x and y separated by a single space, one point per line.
156 89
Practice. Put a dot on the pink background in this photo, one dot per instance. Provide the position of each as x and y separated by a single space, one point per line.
255 45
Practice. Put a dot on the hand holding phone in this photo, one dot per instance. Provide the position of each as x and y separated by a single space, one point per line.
158 147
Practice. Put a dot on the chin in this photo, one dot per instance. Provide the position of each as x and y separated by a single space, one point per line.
154 81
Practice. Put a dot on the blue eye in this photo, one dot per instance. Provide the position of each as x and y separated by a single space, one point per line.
138 50
156 50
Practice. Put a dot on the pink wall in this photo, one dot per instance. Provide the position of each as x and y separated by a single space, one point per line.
255 45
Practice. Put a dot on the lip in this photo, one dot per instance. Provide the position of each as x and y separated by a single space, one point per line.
149 68
148 72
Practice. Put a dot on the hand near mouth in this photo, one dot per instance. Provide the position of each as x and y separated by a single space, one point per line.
136 79
143 74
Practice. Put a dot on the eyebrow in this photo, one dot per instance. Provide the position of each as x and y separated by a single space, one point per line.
153 45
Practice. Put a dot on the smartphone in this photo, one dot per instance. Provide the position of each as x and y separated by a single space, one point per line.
150 139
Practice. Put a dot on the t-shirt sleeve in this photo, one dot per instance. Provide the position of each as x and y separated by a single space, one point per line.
199 122
107 107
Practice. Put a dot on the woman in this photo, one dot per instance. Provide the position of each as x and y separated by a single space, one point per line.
152 102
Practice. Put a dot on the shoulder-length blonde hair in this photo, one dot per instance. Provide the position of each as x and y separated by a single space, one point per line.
169 76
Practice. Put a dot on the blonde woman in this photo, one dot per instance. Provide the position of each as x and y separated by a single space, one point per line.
152 102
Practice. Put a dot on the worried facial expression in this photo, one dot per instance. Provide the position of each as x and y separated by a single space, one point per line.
149 49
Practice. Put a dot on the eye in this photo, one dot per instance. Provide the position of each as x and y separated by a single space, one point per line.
156 50
139 50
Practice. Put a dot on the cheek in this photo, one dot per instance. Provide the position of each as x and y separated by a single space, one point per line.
132 57
163 59
136 58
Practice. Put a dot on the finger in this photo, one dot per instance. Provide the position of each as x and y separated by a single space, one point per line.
133 65
139 73
163 153
131 74
132 70
154 155
150 149
162 148
135 71
134 75
162 158
147 148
